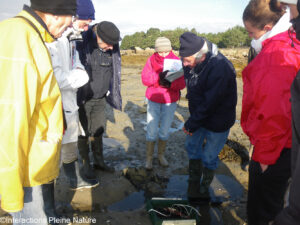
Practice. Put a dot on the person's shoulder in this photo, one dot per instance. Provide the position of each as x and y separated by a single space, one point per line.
220 60
220 63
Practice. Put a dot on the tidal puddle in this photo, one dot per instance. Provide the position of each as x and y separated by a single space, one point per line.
133 201
222 185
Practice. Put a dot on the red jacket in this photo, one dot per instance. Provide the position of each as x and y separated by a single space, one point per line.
266 107
157 93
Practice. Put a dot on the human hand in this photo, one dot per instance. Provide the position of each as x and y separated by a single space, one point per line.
263 167
187 132
164 83
163 74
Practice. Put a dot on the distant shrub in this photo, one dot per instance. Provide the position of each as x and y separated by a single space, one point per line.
232 38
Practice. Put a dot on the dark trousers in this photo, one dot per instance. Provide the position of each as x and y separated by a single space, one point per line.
266 189
92 117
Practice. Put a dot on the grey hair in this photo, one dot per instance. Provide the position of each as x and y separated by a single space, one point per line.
203 50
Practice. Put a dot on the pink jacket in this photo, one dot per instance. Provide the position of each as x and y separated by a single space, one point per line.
157 93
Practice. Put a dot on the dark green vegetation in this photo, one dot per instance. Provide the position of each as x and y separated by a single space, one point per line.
232 38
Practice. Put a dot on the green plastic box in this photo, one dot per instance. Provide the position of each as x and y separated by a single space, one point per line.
156 203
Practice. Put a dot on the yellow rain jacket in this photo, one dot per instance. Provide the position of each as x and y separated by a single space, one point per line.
31 123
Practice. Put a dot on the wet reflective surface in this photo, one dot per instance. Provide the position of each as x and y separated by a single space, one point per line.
134 201
222 185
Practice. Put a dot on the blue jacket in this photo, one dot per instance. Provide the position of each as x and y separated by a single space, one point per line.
212 94
85 49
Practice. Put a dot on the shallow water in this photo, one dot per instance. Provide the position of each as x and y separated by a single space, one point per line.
222 185
133 201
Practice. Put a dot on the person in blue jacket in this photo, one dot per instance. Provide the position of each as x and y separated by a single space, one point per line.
100 54
212 97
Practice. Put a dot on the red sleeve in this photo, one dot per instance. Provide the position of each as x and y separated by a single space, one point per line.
178 84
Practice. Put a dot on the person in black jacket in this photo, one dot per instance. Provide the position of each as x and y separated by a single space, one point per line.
291 214
99 53
212 96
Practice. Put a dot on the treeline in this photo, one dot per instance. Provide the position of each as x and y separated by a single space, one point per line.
234 37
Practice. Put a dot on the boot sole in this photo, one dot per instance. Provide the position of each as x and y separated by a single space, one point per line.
85 187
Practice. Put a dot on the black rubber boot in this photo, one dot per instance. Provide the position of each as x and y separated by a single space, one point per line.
76 180
97 148
195 173
83 147
205 198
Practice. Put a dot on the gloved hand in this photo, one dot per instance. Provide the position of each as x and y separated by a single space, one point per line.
162 81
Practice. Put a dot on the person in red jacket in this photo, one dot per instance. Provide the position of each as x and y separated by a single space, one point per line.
266 109
162 97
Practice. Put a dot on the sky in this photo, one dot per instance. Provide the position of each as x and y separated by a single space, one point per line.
132 16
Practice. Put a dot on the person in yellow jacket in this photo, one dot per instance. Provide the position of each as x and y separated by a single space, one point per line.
31 116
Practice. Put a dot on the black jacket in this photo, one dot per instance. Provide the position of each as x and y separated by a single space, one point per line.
291 214
212 94
86 49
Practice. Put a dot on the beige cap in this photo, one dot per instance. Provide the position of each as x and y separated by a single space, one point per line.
289 1
163 44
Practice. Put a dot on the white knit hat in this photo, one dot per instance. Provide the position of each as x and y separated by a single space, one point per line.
294 2
163 44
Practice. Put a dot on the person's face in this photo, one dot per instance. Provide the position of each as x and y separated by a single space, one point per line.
104 46
59 24
192 61
82 24
163 54
254 32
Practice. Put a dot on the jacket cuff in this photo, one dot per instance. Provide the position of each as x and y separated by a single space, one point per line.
189 127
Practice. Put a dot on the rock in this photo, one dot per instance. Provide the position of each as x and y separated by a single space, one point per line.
138 50
149 51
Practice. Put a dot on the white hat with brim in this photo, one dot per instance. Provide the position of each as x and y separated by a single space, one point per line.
294 2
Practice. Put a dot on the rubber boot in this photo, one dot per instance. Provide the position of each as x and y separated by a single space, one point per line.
76 180
83 148
161 151
208 176
97 148
195 173
149 154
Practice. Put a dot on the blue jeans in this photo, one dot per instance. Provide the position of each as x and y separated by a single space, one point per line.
159 120
38 206
206 145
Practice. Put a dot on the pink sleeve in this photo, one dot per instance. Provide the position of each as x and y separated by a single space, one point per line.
149 77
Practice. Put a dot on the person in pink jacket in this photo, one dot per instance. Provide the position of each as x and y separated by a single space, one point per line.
162 99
